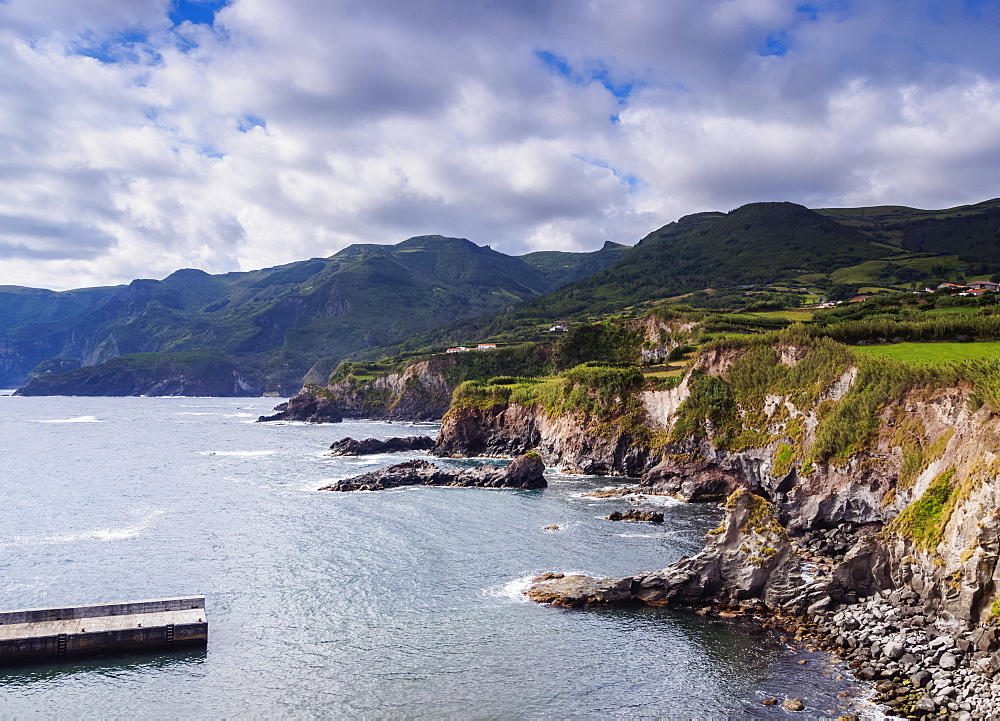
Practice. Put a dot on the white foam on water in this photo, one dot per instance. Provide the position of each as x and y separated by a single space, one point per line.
235 415
637 535
238 454
193 413
512 590
515 589
367 461
655 500
96 534
78 419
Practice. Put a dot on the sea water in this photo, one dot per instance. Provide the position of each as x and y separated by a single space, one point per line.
381 604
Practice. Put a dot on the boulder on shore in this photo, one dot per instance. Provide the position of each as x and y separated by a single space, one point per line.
523 472
351 447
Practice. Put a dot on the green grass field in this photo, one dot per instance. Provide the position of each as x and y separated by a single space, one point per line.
954 310
803 315
932 353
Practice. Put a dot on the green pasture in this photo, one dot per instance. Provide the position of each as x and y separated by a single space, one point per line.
932 353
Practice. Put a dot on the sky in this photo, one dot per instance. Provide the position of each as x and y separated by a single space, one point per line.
142 136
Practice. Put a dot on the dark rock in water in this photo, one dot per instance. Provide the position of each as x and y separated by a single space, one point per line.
526 471
309 408
636 514
523 472
351 447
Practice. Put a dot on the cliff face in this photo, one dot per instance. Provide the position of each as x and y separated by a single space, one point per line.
565 441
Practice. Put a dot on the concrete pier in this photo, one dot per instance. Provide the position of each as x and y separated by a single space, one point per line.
42 634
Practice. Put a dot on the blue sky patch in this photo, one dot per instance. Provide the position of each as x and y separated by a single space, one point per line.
811 12
197 12
632 181
558 64
119 47
599 72
776 44
209 152
249 122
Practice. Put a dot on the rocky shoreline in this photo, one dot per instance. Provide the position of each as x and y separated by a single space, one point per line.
861 503
751 567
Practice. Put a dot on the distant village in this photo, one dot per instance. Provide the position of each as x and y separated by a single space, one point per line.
974 289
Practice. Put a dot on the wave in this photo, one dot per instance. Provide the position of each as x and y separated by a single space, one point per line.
235 453
78 419
513 590
96 534
193 413
237 415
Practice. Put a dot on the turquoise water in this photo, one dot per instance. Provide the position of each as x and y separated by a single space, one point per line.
401 603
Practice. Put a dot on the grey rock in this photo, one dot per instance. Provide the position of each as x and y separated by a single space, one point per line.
920 678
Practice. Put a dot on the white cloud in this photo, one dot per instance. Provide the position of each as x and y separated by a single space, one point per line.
292 129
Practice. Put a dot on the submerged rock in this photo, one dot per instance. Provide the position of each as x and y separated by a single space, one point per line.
793 704
351 447
523 472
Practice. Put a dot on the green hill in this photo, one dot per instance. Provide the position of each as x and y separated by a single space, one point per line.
279 321
562 268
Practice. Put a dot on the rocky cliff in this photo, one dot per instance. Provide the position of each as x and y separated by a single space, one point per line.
418 392
590 420
564 441
853 485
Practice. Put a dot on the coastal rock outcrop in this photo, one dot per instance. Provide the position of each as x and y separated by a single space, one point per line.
863 513
313 407
524 472
368 446
748 557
